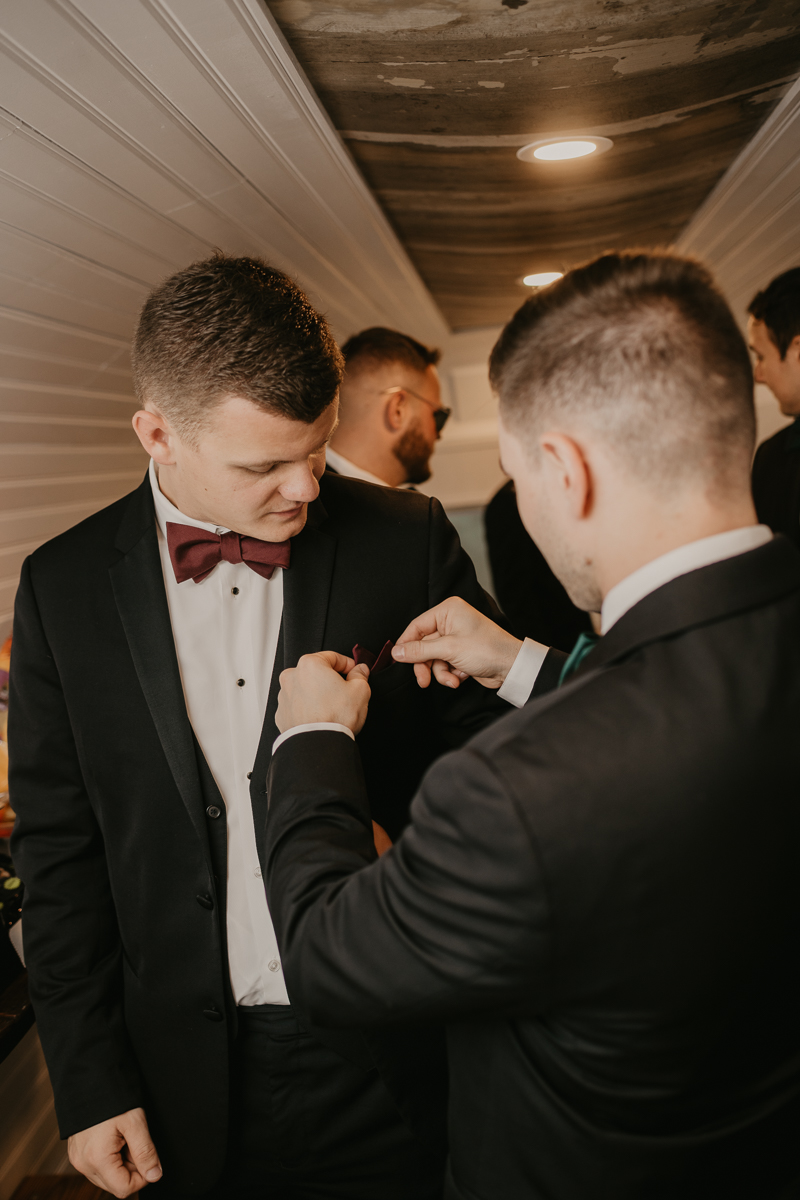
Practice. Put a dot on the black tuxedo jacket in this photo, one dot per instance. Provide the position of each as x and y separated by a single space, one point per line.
533 600
776 482
601 896
119 837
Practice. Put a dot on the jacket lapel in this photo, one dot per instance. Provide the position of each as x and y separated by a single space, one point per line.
306 592
138 585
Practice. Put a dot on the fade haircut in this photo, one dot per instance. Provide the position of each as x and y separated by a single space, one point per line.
778 306
233 326
378 346
642 348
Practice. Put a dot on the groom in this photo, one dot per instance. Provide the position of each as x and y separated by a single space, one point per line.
148 642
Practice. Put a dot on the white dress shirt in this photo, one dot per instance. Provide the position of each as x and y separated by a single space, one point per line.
226 634
343 466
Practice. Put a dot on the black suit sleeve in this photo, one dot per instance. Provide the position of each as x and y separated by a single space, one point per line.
72 943
549 673
453 919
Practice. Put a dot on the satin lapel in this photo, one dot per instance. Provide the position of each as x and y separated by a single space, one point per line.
138 585
306 592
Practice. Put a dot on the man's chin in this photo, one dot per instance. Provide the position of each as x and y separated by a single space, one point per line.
275 527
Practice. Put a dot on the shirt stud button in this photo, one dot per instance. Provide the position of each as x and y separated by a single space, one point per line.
240 683
234 591
257 872
213 812
274 965
249 774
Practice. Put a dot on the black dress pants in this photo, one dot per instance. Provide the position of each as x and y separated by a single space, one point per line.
307 1125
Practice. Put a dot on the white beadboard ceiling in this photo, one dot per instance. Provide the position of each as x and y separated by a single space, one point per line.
135 137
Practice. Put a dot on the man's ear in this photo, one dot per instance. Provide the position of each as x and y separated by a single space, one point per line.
569 470
396 410
793 351
156 436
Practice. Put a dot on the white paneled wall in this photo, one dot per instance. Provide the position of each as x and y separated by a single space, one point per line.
748 230
135 138
466 466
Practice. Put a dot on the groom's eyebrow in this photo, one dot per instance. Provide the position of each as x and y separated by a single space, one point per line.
276 462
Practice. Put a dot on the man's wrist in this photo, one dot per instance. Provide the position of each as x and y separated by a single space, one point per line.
511 649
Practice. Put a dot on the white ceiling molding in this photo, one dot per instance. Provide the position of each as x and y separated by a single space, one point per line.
748 230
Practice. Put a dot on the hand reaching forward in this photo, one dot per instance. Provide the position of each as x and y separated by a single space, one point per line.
117 1155
323 687
455 641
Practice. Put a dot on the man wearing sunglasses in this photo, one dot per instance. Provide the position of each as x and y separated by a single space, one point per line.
390 411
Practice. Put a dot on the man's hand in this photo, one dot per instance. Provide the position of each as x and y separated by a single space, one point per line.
323 687
455 641
117 1155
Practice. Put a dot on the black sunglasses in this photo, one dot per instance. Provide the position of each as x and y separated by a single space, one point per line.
440 415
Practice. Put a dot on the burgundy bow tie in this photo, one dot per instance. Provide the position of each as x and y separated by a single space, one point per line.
195 552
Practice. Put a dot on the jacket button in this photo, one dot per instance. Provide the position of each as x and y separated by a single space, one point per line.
212 1014
213 812
205 901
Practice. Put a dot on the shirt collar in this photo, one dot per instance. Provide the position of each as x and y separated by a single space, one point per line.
166 510
681 561
344 467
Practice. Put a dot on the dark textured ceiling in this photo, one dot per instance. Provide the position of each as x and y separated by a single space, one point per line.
434 98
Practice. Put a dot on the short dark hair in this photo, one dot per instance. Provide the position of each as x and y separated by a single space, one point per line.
233 326
377 346
643 347
778 306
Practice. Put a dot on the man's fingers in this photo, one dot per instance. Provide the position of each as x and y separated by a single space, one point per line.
144 1157
423 675
422 626
114 1176
425 651
445 674
359 671
339 662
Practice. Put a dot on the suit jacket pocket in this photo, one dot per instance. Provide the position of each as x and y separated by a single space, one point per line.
389 680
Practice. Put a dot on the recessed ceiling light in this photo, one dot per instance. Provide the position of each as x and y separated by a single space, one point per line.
542 279
560 149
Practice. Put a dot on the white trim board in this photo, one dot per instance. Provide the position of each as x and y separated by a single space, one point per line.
748 229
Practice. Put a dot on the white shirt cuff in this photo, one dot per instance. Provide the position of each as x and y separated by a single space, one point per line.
524 671
311 728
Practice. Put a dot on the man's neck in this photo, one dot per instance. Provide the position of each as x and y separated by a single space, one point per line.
165 481
646 540
373 456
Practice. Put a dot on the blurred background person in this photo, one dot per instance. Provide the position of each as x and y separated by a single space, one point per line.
534 601
774 335
390 409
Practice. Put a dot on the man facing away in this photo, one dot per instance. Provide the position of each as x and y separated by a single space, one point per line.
147 645
774 334
599 894
390 412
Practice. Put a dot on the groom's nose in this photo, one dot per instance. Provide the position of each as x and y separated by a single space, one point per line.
300 485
